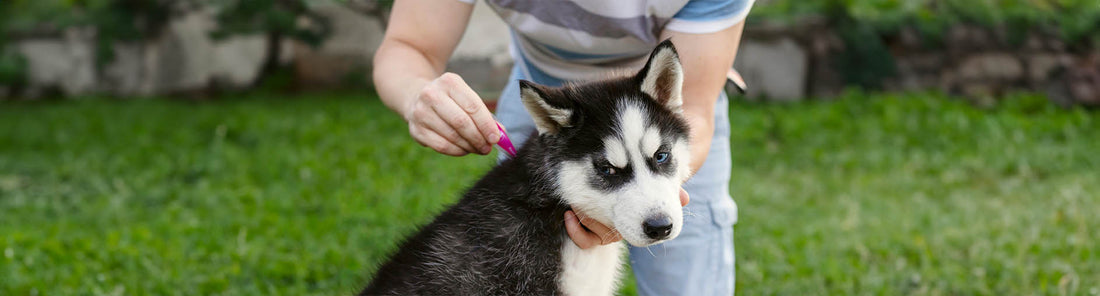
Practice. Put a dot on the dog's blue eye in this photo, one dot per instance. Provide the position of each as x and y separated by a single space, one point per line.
661 157
607 170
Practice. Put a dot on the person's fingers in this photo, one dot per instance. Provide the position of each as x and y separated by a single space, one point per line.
430 119
580 236
607 234
430 139
450 116
461 123
684 198
468 100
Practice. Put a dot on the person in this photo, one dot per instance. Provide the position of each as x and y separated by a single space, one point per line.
577 40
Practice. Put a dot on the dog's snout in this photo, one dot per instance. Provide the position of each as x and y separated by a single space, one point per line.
657 227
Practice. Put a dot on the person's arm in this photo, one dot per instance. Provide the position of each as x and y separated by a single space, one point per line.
706 58
443 112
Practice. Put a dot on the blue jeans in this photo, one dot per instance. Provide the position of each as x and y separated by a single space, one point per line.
698 262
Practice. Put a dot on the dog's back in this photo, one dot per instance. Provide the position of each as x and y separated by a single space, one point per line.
489 243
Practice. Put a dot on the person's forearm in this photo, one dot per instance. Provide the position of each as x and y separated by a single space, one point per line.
702 130
443 113
706 58
400 71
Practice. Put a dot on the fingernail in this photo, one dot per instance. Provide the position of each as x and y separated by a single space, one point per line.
494 137
570 216
486 149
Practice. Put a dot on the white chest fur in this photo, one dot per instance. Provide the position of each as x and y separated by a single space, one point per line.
593 271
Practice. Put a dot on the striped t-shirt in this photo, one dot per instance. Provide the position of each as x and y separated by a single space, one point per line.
582 39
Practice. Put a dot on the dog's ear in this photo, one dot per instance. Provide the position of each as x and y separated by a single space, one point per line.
662 78
550 114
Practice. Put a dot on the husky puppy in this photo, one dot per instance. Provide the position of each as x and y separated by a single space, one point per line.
616 150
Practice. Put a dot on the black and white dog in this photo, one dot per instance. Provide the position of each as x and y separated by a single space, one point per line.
616 150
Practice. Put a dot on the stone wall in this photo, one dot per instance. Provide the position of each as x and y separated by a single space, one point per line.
979 64
183 59
353 39
66 63
481 57
778 62
790 62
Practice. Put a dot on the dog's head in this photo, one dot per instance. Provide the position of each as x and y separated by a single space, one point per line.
621 146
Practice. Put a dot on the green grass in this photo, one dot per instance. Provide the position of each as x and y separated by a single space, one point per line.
302 195
909 194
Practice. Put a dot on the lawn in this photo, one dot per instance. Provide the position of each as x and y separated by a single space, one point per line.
302 195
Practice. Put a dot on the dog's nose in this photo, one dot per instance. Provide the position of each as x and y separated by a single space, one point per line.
657 227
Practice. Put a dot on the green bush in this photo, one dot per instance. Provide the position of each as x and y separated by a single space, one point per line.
113 20
13 68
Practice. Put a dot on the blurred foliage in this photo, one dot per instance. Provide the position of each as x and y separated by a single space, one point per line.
13 68
278 17
378 5
113 20
1076 21
862 63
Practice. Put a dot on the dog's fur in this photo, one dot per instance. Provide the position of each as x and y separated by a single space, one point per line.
598 152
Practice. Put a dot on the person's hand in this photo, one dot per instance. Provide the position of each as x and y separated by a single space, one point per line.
449 117
593 233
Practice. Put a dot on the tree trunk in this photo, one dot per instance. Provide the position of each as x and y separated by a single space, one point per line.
271 61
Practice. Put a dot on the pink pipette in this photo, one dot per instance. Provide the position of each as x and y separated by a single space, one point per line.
504 143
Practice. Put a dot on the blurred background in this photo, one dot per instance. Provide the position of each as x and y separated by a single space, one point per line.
203 147
980 50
